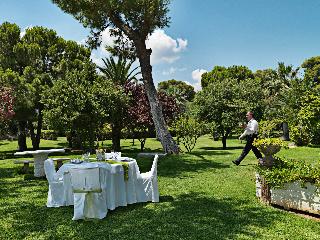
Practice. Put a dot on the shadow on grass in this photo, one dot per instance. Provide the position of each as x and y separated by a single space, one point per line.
220 148
177 165
10 172
188 216
26 182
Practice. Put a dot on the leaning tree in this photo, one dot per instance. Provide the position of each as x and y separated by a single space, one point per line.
134 21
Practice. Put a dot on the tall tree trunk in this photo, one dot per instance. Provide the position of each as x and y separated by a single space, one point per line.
168 144
35 137
142 143
116 136
285 129
224 138
22 136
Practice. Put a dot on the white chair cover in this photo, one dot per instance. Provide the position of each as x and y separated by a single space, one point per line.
149 182
89 201
60 193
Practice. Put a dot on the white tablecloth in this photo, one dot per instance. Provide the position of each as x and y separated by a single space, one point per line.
119 192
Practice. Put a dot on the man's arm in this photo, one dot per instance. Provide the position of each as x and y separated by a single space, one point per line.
251 128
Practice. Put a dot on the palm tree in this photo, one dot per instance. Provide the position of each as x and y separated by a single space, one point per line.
120 73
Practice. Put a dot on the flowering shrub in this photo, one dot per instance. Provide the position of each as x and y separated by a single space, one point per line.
6 104
268 146
290 170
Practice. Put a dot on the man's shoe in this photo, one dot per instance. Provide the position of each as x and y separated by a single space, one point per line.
235 162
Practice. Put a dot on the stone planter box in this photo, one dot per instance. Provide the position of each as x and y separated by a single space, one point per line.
294 196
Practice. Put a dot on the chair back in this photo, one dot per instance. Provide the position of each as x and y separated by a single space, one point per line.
154 166
85 180
113 155
50 170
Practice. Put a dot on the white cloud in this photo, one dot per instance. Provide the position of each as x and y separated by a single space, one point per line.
106 40
96 57
101 52
196 75
173 70
165 48
24 30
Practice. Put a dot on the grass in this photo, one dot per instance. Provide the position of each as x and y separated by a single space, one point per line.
202 196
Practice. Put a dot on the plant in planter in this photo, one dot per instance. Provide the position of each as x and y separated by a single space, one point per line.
269 147
290 183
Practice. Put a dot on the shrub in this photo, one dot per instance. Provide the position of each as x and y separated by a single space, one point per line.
49 135
285 171
188 130
268 128
268 146
300 135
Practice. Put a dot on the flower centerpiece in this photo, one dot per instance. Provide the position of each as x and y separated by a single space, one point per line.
269 147
100 153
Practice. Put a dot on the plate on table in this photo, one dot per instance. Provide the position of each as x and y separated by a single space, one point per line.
76 161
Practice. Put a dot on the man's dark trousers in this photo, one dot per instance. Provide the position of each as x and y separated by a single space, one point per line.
248 147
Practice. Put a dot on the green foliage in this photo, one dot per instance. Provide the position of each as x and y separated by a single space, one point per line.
268 146
309 114
225 103
220 74
181 91
41 58
119 72
188 130
300 135
9 37
127 17
312 70
267 128
49 135
131 22
281 91
305 126
286 170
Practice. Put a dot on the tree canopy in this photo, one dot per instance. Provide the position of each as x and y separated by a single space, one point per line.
225 104
180 90
220 73
136 20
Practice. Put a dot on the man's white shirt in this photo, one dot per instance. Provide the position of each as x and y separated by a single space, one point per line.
252 128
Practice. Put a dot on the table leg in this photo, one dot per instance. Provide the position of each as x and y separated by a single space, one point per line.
39 165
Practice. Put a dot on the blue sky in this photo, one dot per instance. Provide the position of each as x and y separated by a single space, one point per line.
203 34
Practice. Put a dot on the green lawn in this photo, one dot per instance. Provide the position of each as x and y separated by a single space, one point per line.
202 196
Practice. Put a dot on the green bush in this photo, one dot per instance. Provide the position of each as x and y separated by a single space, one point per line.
285 171
188 130
49 135
268 128
300 135
268 146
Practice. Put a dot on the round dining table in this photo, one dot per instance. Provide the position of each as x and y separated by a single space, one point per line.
119 191
39 157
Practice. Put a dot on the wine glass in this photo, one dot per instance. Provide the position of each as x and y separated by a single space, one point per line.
86 156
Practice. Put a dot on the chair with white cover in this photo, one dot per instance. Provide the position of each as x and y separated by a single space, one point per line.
149 182
89 199
113 156
60 192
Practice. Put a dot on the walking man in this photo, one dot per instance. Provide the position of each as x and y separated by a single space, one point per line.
251 133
